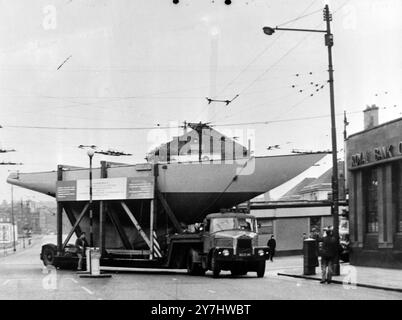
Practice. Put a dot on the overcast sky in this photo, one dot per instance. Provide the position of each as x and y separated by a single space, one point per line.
139 64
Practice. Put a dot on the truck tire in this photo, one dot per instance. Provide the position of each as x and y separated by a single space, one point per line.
215 267
261 269
48 255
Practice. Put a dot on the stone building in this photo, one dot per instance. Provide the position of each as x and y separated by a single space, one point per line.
374 162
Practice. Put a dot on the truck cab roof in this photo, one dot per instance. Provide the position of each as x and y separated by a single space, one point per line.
229 215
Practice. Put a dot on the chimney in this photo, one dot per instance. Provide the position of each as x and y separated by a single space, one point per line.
370 117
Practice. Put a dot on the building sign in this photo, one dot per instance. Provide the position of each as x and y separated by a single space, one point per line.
377 154
106 189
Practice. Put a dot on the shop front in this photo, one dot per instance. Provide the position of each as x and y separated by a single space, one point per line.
374 162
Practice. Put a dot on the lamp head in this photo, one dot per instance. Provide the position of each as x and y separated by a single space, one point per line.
91 152
268 30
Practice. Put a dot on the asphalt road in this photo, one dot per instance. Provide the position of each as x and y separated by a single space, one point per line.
22 276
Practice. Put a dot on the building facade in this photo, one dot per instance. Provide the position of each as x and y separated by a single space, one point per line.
290 222
374 162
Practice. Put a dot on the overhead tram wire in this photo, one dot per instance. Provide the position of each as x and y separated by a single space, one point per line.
302 15
170 127
272 66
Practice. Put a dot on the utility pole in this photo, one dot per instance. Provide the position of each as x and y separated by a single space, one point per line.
329 42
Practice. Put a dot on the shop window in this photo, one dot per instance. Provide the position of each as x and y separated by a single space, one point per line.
315 224
371 200
265 226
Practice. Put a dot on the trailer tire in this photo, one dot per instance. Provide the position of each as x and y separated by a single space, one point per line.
194 269
215 267
191 267
48 255
261 269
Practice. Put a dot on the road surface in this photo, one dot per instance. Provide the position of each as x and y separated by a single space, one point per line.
22 276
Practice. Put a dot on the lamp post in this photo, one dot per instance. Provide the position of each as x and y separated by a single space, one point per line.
329 42
12 217
90 153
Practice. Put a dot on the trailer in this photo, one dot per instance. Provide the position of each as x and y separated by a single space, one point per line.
133 226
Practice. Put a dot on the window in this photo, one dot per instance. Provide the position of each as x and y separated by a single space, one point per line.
370 197
397 194
266 226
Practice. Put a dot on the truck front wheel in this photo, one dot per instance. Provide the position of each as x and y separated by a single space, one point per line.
48 254
215 267
261 269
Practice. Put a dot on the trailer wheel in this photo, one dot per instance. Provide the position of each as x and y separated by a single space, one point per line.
194 269
261 269
48 254
215 267
191 267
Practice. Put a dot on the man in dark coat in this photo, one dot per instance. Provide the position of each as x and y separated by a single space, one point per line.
328 252
271 247
81 244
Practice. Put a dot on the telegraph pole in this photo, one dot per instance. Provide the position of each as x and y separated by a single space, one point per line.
329 42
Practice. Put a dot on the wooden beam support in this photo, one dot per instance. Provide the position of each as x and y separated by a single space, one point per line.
120 230
169 212
136 224
72 220
82 214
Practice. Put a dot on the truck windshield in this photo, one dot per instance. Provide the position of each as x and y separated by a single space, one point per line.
221 224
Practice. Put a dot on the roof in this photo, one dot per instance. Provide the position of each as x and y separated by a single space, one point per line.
294 193
229 215
324 181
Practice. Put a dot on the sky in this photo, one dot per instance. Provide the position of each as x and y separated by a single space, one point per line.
125 74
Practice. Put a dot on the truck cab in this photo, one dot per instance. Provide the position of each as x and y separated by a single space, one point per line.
230 242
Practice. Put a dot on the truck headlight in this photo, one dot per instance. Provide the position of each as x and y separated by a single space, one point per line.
225 252
260 252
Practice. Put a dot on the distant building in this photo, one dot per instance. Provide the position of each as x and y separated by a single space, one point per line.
295 193
202 143
317 189
374 162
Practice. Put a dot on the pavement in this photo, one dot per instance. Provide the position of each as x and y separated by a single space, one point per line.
350 275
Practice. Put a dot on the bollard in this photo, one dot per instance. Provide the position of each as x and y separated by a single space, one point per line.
95 261
93 265
310 258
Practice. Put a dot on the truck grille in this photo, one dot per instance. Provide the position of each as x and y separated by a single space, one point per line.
244 245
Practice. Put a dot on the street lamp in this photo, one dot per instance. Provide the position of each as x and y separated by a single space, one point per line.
329 42
90 153
12 217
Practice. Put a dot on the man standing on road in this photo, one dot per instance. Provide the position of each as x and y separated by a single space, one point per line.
81 244
328 252
271 247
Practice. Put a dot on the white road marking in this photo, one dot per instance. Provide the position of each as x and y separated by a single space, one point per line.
87 290
73 280
5 282
211 291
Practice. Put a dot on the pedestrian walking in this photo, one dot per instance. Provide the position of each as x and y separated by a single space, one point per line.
328 252
81 244
271 248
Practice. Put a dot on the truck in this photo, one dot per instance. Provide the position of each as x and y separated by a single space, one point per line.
223 241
